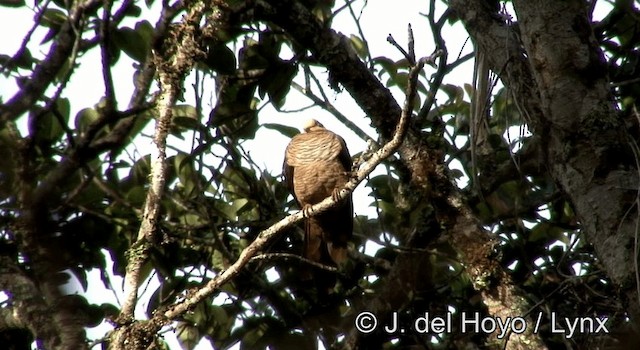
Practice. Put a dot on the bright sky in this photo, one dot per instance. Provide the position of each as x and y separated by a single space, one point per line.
378 20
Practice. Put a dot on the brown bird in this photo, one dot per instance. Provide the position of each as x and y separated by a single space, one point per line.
317 165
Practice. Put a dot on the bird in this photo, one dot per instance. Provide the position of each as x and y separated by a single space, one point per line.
317 164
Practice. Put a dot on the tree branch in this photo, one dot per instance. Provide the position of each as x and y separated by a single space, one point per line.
28 308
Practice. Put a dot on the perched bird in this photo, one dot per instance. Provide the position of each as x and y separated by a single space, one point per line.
317 165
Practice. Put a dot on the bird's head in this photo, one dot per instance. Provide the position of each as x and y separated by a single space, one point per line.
311 125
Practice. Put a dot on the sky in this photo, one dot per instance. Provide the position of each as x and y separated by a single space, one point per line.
378 20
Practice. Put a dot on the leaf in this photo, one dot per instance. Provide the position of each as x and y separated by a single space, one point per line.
81 275
235 119
218 261
110 310
188 335
383 187
285 130
133 10
136 196
84 118
140 170
186 116
469 89
221 59
186 173
387 64
146 31
545 231
48 125
53 18
12 3
63 108
359 45
239 205
454 92
218 314
25 60
95 315
132 43
186 111
277 82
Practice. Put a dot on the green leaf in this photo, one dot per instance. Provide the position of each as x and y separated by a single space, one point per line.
140 171
359 45
84 118
454 92
186 173
110 310
236 120
218 261
132 43
188 335
276 82
133 10
63 107
25 60
186 111
146 31
53 18
136 196
48 125
12 3
221 59
388 65
285 130
545 231
95 315
383 187
186 116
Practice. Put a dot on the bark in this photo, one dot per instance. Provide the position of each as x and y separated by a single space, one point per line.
172 66
28 308
557 73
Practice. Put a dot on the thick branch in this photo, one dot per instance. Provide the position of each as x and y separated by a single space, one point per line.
557 75
588 149
28 308
172 65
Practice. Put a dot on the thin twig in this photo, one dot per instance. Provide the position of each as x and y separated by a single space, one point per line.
411 43
105 55
356 19
327 106
406 55
443 67
286 256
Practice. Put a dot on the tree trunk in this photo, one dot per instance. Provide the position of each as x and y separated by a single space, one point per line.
560 82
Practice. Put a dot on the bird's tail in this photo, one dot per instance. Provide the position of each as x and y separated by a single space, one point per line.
317 250
338 253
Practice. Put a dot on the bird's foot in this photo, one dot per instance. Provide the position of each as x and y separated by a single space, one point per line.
335 195
306 210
